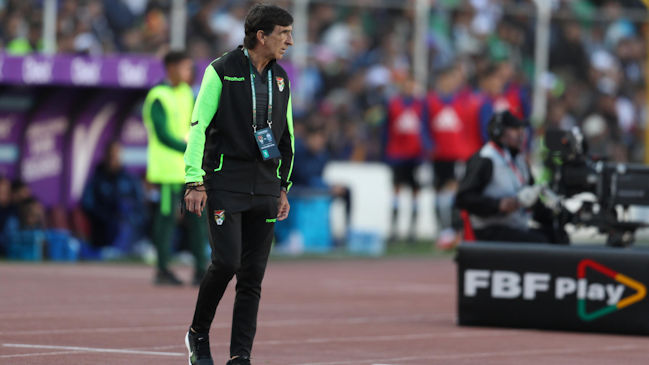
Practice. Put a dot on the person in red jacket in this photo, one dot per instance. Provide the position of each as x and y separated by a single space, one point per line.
406 143
455 128
499 92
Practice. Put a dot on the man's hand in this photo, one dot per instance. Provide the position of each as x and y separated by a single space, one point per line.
284 207
508 205
195 201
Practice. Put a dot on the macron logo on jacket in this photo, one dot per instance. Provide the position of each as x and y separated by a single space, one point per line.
233 78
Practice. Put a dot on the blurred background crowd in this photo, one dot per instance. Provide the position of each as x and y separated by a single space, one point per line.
359 56
362 53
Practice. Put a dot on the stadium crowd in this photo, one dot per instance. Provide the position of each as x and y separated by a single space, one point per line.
597 54
360 56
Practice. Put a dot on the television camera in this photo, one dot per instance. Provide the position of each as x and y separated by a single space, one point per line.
616 186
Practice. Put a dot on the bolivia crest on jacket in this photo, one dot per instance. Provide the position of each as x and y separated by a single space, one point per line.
219 216
280 83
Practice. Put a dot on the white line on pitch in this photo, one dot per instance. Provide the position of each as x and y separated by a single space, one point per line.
39 354
356 339
323 340
92 349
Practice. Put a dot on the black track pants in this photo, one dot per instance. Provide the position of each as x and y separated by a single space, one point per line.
241 232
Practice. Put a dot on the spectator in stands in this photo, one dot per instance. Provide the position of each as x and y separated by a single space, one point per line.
19 192
19 195
567 52
114 203
5 200
27 228
7 210
227 24
23 42
28 234
93 34
308 168
455 128
497 190
167 115
155 30
494 98
406 144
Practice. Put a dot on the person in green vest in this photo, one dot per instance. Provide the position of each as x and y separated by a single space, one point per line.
167 113
22 44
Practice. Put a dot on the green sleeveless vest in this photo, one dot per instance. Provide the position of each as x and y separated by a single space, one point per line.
164 164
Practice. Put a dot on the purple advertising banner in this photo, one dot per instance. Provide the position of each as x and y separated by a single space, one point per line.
11 126
92 131
123 71
71 70
134 140
15 106
43 149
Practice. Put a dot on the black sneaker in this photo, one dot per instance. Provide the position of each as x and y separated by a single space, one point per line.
198 346
239 360
166 278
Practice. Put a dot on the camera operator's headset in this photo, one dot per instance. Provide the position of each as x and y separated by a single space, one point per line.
496 126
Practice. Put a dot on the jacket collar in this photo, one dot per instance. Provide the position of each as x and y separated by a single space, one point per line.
270 64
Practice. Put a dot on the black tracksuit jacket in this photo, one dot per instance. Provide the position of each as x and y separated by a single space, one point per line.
222 150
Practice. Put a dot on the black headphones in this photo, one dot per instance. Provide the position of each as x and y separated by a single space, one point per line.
496 125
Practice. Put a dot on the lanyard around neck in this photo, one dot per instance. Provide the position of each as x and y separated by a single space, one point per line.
508 160
254 95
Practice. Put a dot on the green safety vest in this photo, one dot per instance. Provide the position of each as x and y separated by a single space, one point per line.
166 165
19 46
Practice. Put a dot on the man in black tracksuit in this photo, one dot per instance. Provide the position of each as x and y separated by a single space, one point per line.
238 161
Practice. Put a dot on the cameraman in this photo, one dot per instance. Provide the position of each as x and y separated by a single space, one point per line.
497 190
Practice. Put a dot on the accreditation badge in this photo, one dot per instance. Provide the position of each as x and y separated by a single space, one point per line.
266 143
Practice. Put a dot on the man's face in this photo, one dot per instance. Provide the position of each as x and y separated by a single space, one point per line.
113 157
493 84
513 137
277 42
185 70
316 141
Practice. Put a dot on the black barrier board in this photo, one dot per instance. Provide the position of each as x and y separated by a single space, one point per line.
576 288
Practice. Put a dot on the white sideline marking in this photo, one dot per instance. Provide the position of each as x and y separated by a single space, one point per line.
323 340
380 338
92 349
35 354
77 349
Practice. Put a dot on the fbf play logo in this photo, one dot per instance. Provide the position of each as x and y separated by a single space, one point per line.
582 290
590 291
